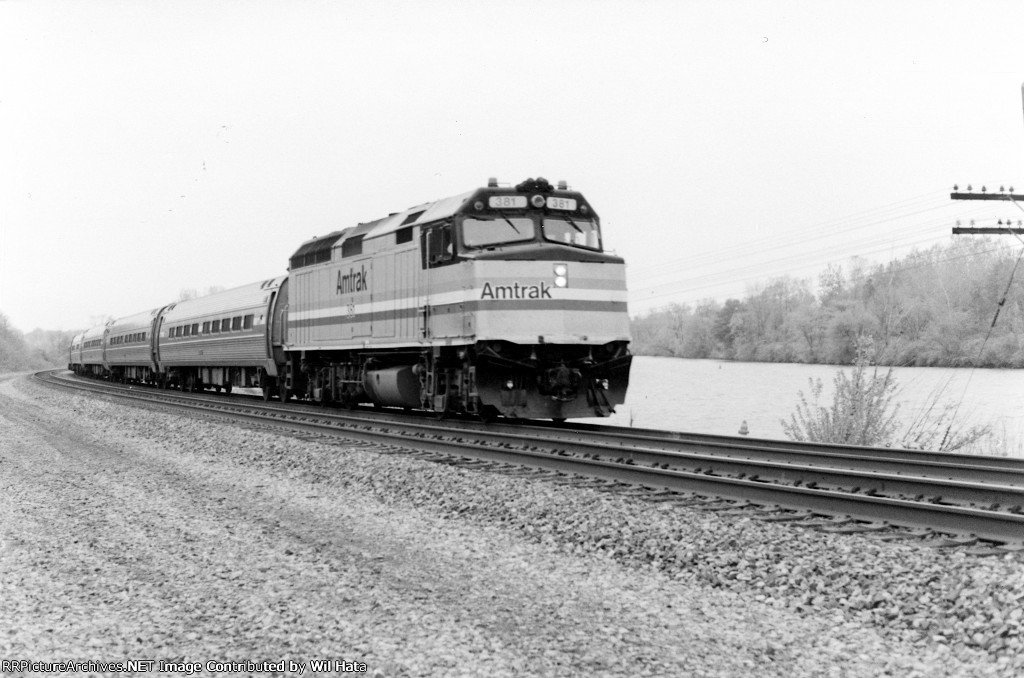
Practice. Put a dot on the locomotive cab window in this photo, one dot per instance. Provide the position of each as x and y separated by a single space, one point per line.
438 246
576 232
498 230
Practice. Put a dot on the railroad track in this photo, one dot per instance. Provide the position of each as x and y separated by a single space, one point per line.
856 488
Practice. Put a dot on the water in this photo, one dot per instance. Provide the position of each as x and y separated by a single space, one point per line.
711 396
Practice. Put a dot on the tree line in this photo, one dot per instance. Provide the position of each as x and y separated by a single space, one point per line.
931 308
36 350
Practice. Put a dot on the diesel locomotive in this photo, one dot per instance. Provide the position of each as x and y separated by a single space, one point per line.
498 301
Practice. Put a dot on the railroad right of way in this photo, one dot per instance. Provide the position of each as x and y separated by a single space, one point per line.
575 578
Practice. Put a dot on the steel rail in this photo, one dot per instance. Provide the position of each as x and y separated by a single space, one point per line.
965 466
750 481
960 482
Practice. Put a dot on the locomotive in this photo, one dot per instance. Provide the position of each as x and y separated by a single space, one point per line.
498 301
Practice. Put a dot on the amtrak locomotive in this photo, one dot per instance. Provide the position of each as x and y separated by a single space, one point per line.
497 301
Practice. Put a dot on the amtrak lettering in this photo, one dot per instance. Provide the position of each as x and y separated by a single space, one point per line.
353 281
516 291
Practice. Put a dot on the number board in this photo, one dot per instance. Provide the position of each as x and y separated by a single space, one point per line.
504 202
562 203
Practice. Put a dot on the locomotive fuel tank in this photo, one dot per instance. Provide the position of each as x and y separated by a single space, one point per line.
393 386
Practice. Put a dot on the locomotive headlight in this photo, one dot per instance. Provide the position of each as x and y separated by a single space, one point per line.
537 200
603 383
509 385
561 275
478 206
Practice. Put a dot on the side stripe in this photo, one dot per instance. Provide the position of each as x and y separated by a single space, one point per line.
502 306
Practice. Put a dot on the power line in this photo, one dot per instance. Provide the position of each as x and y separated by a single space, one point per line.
733 276
896 211
768 245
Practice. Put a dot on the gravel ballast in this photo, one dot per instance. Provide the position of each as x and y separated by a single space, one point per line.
132 534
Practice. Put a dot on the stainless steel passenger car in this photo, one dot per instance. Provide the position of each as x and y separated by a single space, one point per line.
130 347
91 360
75 353
220 340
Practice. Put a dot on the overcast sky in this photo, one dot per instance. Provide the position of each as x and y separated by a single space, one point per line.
150 147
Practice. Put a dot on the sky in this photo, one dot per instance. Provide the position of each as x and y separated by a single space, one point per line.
152 147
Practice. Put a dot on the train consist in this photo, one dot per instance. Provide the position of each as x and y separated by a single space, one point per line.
496 301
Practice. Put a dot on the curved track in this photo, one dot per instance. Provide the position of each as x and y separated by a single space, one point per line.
865 489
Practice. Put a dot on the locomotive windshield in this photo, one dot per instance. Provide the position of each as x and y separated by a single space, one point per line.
577 232
499 230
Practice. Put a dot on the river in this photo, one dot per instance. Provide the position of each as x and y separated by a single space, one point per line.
713 396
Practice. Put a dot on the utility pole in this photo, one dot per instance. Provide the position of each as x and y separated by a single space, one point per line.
999 228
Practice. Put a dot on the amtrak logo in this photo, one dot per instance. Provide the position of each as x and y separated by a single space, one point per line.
516 291
353 281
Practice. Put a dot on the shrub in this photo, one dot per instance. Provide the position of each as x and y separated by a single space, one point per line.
862 410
